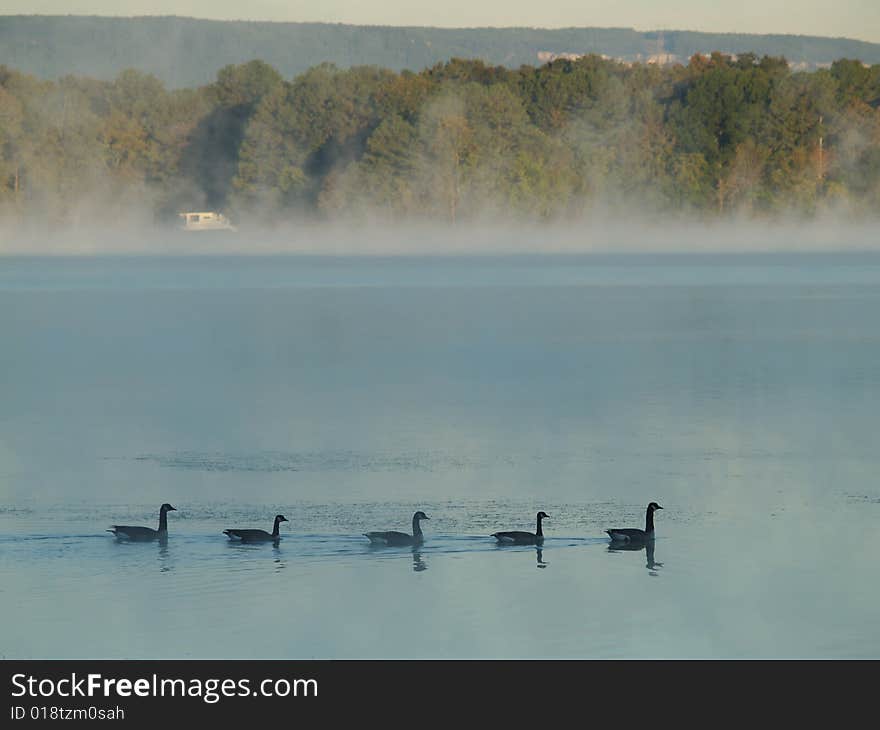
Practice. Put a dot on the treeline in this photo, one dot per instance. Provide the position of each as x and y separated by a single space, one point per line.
458 141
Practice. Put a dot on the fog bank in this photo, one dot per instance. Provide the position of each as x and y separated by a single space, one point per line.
589 236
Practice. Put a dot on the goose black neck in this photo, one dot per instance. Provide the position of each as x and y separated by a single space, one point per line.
163 521
539 532
417 528
275 527
649 520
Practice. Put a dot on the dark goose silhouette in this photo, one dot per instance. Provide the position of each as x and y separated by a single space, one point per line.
523 538
632 534
144 534
257 535
400 538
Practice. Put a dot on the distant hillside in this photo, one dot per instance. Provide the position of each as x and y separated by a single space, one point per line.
186 52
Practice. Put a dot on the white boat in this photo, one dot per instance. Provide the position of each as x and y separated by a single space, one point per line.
206 221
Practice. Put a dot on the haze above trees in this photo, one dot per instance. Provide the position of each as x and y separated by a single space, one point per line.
187 52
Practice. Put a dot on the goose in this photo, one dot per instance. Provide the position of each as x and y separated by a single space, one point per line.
400 538
632 534
523 538
257 535
143 534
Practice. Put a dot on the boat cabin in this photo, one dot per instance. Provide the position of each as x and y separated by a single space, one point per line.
206 221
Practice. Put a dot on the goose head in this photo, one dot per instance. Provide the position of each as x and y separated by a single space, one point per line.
420 516
654 506
167 508
543 516
281 518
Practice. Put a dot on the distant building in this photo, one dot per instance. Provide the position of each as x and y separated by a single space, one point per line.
731 57
662 59
808 65
547 56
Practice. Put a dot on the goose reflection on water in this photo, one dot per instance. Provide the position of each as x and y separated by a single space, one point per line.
165 565
248 546
418 564
539 553
278 558
648 546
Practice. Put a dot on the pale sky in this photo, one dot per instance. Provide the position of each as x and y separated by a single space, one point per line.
850 18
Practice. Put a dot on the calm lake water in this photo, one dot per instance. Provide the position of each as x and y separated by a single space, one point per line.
740 392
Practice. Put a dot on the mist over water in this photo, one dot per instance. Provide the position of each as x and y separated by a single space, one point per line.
740 391
606 232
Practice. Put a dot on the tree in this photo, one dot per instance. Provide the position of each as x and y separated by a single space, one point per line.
211 159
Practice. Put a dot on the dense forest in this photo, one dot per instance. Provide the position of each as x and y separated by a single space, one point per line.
187 52
461 140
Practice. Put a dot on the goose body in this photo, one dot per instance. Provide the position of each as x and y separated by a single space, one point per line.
632 534
392 537
257 535
518 537
145 534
